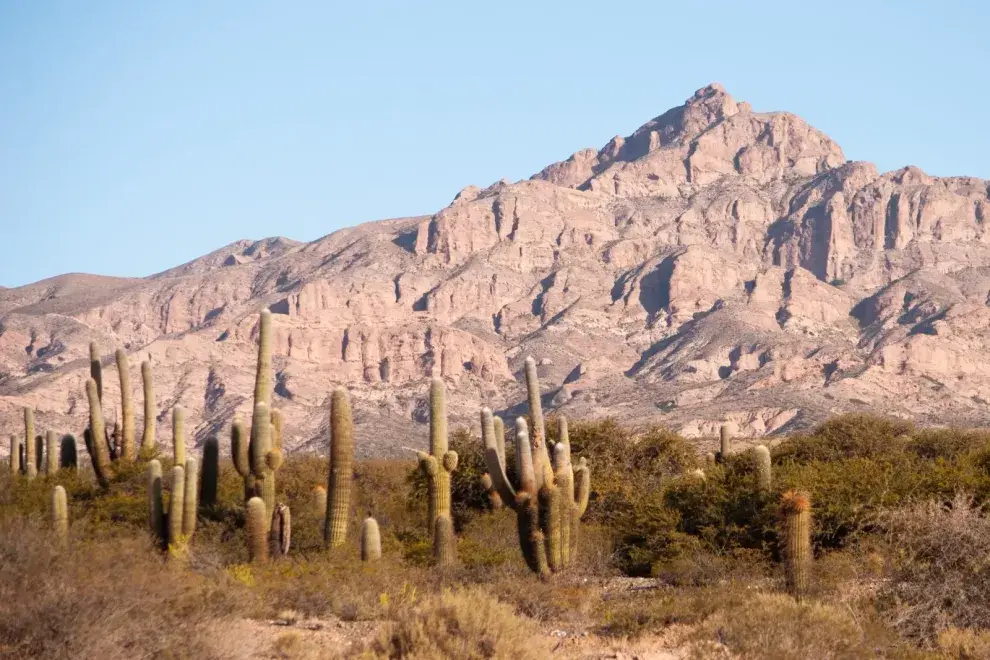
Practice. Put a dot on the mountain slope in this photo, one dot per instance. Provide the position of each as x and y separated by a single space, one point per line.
716 264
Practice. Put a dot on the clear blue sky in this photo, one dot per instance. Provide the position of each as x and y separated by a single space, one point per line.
135 136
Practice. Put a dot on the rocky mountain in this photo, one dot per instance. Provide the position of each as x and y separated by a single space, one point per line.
717 264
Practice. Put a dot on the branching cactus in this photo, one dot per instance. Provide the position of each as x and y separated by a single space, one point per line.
149 439
763 468
31 447
15 456
98 450
179 435
156 514
547 517
126 448
257 530
51 453
68 458
264 459
240 453
541 457
281 529
341 469
96 368
371 541
211 472
795 510
438 466
60 516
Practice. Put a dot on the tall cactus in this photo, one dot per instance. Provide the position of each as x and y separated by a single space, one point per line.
263 375
438 466
31 447
39 454
51 453
68 458
763 468
547 516
795 509
190 497
60 515
179 435
281 529
541 457
341 469
371 541
240 453
126 449
211 471
156 514
96 368
99 452
15 456
257 530
149 438
264 459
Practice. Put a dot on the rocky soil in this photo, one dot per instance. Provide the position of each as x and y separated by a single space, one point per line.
717 264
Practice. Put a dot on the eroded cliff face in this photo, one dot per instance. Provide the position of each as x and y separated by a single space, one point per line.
717 264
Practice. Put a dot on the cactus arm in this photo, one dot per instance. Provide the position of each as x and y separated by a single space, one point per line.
96 368
31 447
524 460
499 439
494 458
190 497
148 439
175 507
582 487
539 432
126 405
97 448
179 435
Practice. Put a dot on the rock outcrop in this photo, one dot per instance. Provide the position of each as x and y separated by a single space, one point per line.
716 264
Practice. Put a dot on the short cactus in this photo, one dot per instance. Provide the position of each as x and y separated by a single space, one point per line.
96 368
341 469
98 450
156 515
281 529
190 497
126 449
211 472
31 446
439 463
179 435
547 517
371 541
51 453
60 515
68 458
795 510
763 468
15 456
149 438
257 530
319 505
240 452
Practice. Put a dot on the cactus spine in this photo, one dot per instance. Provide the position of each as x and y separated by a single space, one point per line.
257 531
261 449
68 458
96 368
126 448
763 468
31 446
263 376
15 456
724 443
547 517
179 435
156 516
149 440
438 466
60 516
371 540
240 452
211 471
795 509
190 497
98 449
538 439
51 453
341 469
281 530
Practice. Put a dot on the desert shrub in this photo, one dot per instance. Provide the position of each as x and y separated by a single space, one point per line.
846 436
947 444
466 623
939 577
